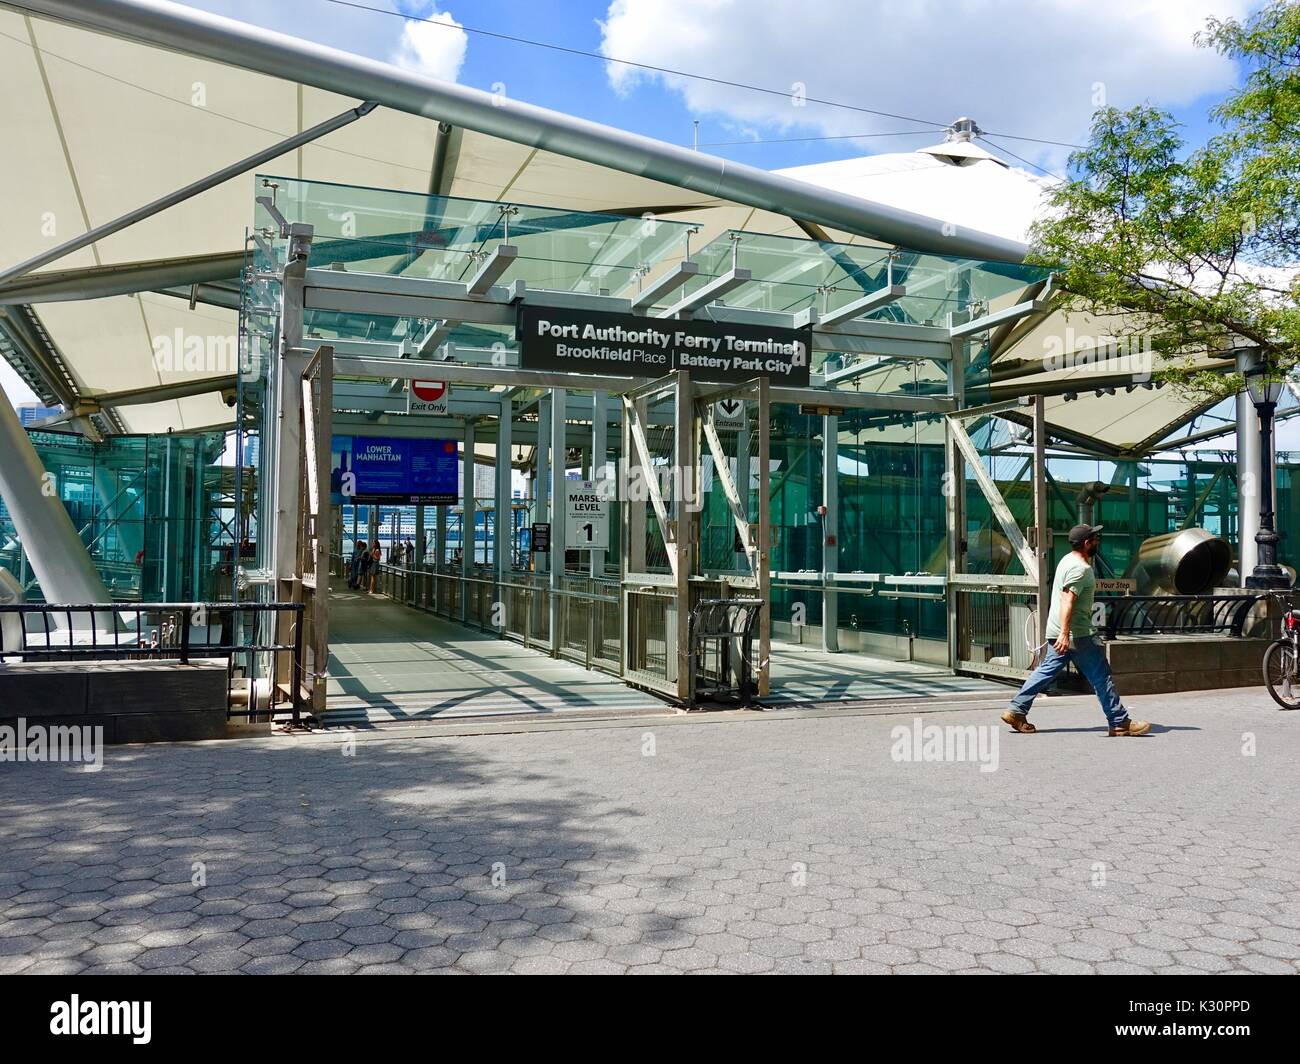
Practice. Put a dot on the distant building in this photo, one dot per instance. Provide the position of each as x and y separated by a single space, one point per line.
29 413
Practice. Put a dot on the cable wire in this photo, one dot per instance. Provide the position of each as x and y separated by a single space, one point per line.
800 140
1020 158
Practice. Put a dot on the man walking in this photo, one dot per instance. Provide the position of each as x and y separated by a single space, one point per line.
1071 637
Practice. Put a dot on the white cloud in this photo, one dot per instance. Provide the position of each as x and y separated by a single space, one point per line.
1028 67
436 50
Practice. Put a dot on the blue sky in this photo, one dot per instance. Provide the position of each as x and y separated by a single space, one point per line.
1032 68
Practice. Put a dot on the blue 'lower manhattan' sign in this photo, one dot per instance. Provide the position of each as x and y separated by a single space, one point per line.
624 345
384 469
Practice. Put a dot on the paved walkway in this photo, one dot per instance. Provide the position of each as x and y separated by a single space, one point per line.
393 664
804 674
390 664
756 843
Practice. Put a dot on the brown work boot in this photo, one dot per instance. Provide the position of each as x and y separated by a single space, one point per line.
1131 727
1019 722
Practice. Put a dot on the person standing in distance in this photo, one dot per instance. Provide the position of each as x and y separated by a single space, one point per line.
1072 637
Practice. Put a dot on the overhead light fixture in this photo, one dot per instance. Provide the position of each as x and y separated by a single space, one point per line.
1263 390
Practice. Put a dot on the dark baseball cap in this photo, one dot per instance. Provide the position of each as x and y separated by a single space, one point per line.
1082 533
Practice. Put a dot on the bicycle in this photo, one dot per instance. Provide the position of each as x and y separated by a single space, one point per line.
1282 659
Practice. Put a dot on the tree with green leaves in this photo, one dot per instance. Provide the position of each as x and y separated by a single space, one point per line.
1194 250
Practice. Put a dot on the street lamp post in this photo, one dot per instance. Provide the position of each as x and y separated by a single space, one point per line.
1264 393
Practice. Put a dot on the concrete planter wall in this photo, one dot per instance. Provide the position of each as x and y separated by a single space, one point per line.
134 701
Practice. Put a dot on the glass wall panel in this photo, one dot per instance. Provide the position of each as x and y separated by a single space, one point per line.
156 513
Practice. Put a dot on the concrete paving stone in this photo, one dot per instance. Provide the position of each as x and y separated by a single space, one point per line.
391 968
802 966
430 958
1122 968
634 955
1007 963
596 967
1205 962
628 864
56 966
579 950
1262 965
860 967
221 961
329 966
166 957
274 964
486 962
325 949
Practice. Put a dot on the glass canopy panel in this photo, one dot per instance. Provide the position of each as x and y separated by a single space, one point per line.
446 238
791 274
334 325
369 230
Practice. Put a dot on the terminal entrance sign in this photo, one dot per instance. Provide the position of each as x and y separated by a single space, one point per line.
625 345
586 516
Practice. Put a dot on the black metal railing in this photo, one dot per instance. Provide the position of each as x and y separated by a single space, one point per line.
237 631
1131 615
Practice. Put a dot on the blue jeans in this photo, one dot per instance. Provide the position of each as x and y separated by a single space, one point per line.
1089 656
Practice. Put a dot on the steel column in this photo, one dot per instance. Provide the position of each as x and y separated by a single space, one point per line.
1250 473
559 443
685 513
542 477
599 456
830 533
467 520
282 501
505 523
1042 528
764 569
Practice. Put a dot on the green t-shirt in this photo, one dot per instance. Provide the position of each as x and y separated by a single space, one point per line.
1072 574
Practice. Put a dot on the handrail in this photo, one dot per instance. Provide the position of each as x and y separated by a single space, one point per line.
396 570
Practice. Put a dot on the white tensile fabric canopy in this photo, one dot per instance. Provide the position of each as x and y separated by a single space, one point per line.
98 125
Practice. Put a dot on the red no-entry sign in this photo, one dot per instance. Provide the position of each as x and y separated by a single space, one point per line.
428 397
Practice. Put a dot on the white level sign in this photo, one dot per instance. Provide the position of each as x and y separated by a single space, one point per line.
428 397
586 516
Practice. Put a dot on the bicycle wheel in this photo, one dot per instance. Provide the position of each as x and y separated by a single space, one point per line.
1281 675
